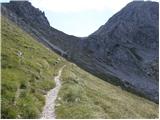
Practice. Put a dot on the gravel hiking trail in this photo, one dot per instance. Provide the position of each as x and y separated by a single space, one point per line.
49 108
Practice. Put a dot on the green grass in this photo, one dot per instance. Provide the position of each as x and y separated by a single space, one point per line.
84 96
28 68
28 76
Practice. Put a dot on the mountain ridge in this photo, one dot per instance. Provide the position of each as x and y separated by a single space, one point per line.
28 68
127 47
99 52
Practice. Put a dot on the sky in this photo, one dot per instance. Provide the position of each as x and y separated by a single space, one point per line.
78 17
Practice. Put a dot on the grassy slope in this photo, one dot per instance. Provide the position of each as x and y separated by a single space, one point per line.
27 72
84 96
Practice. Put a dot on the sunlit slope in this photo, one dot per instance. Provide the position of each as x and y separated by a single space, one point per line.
27 72
84 96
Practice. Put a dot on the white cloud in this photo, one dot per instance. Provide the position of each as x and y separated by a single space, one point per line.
79 5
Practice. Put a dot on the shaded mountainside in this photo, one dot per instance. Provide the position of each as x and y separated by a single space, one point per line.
127 47
28 70
124 51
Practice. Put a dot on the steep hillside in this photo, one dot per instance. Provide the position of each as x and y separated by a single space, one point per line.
33 21
27 72
83 95
28 68
126 48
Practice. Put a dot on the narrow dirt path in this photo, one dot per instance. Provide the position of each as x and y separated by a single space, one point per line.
49 108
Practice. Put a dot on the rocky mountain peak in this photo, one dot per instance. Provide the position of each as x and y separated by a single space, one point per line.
126 46
140 12
25 11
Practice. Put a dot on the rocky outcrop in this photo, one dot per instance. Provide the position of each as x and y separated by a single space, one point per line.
127 48
124 51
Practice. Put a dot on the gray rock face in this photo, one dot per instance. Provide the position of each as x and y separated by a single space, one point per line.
127 48
124 51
